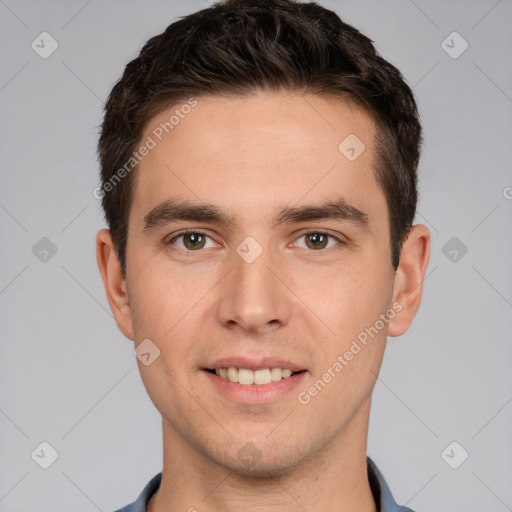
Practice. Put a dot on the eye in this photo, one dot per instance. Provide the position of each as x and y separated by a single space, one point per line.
192 240
318 240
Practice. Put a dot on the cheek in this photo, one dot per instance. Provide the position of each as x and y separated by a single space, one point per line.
354 354
356 302
164 309
159 314
353 298
155 308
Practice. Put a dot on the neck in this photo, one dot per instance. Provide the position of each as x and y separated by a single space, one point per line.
335 478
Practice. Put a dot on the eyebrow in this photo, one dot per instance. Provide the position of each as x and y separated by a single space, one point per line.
173 210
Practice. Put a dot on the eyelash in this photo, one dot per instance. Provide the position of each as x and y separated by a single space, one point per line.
306 233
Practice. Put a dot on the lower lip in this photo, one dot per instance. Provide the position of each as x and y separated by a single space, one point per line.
256 393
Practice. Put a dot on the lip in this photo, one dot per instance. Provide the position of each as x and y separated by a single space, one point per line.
255 394
254 364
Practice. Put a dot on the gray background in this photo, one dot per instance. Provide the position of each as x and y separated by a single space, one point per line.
68 377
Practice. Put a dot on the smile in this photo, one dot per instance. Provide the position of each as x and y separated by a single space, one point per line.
263 386
260 377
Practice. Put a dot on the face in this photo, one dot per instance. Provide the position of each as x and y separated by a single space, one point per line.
257 243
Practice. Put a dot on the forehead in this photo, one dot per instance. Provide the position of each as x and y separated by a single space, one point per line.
249 153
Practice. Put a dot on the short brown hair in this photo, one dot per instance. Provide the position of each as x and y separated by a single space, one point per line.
237 47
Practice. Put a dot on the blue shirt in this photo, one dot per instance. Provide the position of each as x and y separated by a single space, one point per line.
380 490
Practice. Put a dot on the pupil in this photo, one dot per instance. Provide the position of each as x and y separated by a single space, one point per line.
317 240
194 239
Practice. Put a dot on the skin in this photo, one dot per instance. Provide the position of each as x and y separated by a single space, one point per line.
250 156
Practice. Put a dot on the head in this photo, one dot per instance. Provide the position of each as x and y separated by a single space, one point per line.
251 125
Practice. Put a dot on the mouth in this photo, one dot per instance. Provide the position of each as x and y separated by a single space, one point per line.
252 382
248 377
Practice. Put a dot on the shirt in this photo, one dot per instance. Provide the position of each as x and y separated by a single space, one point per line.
380 490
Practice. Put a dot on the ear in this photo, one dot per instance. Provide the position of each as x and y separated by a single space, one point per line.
114 283
409 276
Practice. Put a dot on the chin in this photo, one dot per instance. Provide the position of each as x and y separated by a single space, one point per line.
271 460
261 469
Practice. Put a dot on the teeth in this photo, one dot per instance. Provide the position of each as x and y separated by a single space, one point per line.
247 377
262 376
233 374
276 374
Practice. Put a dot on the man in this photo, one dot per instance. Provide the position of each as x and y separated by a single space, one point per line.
258 164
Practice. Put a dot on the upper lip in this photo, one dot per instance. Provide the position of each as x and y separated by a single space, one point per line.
254 364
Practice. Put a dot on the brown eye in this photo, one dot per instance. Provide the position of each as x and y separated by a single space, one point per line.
191 241
316 240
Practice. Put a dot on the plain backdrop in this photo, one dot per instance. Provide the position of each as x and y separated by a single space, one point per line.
69 378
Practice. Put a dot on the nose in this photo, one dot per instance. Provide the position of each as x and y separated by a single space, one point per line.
253 297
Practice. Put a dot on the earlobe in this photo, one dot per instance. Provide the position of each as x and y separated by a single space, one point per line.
409 277
114 282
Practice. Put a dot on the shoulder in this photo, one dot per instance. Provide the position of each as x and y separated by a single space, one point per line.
139 505
381 491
